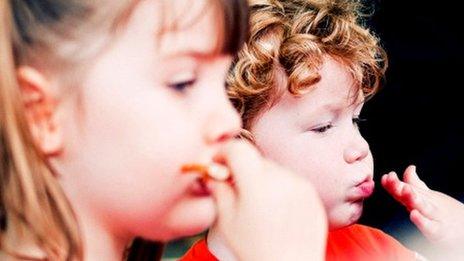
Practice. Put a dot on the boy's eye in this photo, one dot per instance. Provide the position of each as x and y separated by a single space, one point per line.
323 128
357 121
181 86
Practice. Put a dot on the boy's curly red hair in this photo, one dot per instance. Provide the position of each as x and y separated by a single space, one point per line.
292 37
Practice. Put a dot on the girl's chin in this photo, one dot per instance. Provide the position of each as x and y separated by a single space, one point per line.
193 217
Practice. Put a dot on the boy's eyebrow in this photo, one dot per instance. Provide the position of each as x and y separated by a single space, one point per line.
333 107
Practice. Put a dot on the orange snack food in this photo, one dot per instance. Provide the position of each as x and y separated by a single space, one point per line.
213 171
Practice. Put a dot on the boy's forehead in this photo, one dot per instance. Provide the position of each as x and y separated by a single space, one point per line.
311 103
336 90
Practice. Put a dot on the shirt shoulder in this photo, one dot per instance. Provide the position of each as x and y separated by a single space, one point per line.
199 251
359 242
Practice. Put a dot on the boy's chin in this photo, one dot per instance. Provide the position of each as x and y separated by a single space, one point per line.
349 217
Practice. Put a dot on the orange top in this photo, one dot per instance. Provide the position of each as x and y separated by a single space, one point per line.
353 243
358 242
199 251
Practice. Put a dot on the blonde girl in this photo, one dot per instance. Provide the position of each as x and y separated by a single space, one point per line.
101 104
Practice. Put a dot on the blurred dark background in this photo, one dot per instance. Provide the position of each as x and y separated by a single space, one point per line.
417 117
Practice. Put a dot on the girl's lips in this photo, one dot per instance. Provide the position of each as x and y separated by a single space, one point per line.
199 188
214 171
365 189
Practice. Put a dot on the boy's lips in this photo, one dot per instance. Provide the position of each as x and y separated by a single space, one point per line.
365 188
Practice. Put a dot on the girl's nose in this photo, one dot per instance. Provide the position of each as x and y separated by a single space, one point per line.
224 123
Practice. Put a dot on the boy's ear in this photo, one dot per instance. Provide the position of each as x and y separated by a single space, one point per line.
39 104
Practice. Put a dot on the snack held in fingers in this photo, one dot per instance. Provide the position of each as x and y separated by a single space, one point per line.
214 171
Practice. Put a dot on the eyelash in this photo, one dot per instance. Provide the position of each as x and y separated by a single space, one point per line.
182 86
357 120
325 128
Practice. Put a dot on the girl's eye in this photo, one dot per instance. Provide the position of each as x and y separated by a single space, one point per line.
323 128
357 121
182 86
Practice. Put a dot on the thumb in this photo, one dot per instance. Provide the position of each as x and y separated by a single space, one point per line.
411 177
225 197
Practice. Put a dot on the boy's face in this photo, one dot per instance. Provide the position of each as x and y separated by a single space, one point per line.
316 135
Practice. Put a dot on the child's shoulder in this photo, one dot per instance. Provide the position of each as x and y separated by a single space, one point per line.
199 251
359 230
359 235
360 242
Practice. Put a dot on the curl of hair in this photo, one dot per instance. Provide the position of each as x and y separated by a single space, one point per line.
299 34
253 70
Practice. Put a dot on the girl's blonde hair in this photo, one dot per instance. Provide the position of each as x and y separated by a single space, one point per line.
32 201
292 37
32 204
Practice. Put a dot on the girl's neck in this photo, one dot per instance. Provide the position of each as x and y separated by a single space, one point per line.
101 239
100 243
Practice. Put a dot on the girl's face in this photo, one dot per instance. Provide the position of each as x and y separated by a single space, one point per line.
317 136
145 106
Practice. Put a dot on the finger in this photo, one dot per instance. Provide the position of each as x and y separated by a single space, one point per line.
409 197
400 191
410 176
224 196
425 206
393 185
383 180
388 184
244 162
416 199
427 226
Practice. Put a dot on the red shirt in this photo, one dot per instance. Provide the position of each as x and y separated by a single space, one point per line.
352 243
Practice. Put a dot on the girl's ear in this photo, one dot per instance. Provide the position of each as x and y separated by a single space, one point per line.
39 104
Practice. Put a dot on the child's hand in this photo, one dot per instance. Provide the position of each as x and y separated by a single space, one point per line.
438 216
269 213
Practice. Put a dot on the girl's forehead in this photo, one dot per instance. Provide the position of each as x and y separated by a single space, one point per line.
189 29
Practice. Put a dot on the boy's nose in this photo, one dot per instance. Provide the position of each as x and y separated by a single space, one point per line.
357 150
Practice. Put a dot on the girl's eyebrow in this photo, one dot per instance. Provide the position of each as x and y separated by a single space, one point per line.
173 45
196 54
